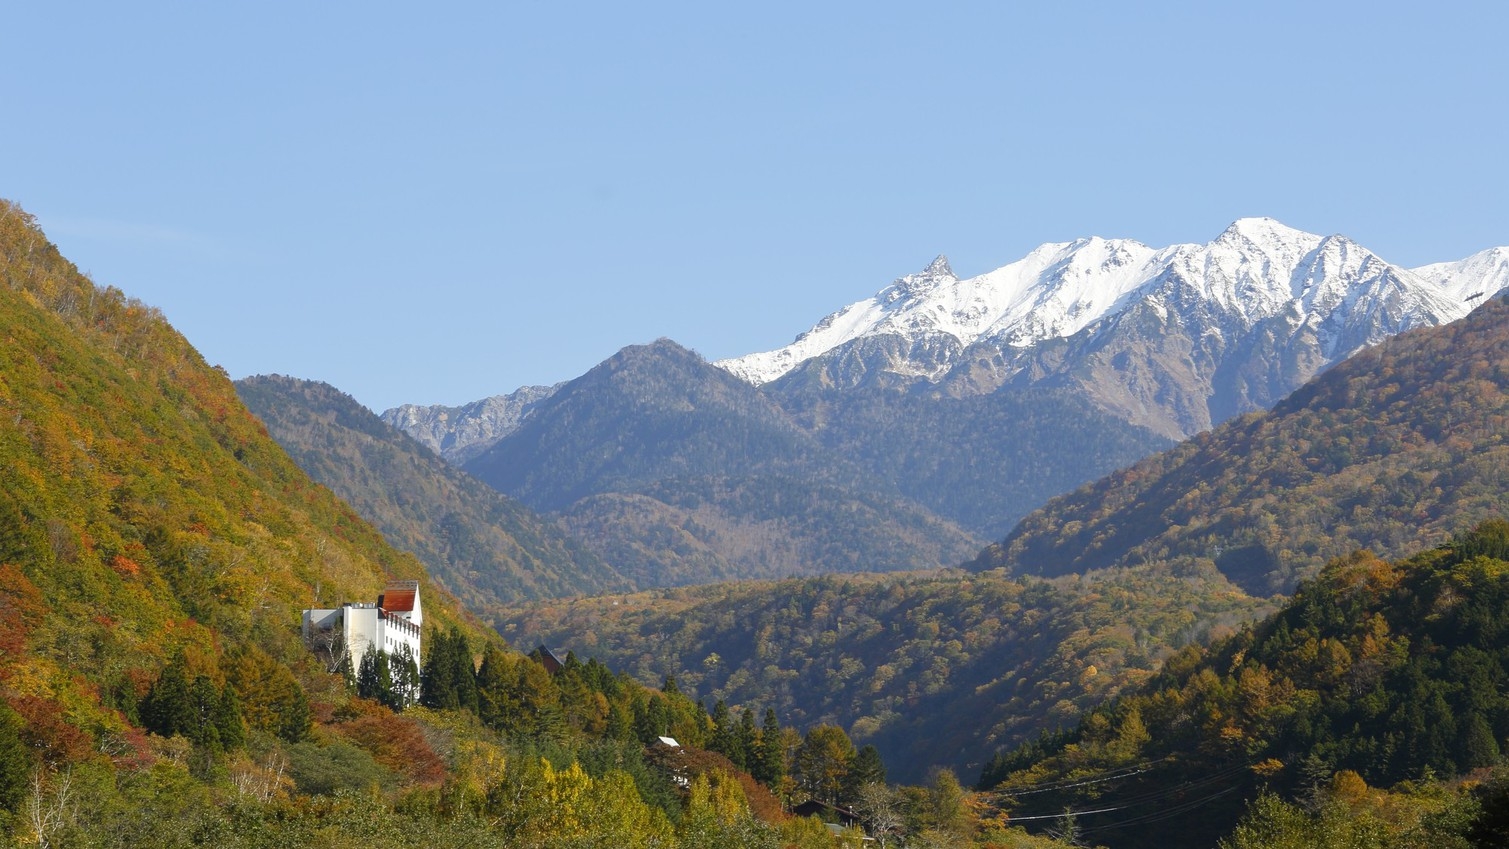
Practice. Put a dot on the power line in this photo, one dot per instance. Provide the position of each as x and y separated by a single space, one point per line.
1094 778
1015 820
1219 776
1163 814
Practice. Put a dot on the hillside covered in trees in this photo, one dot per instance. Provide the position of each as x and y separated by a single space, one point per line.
1393 449
982 461
932 669
1377 674
676 472
156 547
477 543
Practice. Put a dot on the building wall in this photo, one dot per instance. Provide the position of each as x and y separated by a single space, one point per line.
364 627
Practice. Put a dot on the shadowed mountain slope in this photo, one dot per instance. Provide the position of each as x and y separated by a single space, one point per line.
1391 450
674 471
481 545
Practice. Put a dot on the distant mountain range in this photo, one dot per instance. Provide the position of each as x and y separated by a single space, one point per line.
475 541
1396 449
972 400
677 472
1174 339
461 433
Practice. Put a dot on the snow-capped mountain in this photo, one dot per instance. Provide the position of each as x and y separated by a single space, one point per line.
1174 339
1256 269
1472 280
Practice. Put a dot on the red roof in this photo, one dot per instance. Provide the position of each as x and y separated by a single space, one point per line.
399 597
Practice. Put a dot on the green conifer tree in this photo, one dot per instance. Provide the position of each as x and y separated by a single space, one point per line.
374 677
15 761
166 709
769 766
748 737
725 739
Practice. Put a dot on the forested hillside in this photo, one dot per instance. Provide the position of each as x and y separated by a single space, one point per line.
1390 450
480 545
1376 674
931 669
156 547
983 461
676 472
143 510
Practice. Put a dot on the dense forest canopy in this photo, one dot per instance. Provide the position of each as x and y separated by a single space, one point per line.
156 547
1376 674
479 544
933 669
1393 449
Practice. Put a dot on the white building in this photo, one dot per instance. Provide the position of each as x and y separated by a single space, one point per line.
391 624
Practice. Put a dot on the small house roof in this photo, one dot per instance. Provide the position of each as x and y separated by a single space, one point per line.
669 741
547 657
399 597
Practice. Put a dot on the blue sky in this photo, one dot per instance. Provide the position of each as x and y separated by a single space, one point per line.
437 203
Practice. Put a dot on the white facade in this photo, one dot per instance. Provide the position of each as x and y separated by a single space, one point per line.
391 624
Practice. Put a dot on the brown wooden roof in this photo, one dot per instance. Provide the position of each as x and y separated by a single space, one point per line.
399 597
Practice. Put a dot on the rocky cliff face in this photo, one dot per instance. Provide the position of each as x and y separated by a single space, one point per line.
461 433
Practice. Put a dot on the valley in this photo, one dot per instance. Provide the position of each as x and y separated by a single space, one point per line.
1051 555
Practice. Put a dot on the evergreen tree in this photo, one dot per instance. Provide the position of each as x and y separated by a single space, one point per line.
15 760
464 671
651 720
228 722
166 709
867 768
726 735
209 716
204 704
406 678
374 677
449 678
748 737
438 678
769 766
494 704
620 722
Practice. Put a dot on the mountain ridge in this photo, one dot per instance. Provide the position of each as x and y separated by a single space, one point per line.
1394 448
1174 339
460 433
675 472
1059 288
479 544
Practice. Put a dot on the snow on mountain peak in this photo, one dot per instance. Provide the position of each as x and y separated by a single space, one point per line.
1262 231
939 267
1471 280
1257 268
935 276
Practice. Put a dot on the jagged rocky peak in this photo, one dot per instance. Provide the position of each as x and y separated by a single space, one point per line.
937 274
1256 269
939 267
460 433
